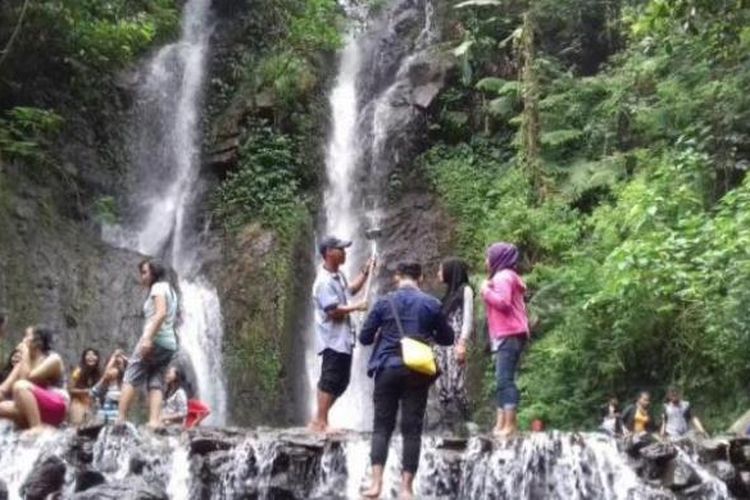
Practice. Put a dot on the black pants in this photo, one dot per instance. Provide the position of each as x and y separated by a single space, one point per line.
394 387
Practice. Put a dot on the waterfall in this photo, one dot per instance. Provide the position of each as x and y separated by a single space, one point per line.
265 464
344 220
165 154
361 110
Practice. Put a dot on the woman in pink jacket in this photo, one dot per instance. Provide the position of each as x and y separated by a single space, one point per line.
508 325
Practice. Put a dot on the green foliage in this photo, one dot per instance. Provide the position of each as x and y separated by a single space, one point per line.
316 27
105 210
636 257
283 62
24 132
266 186
91 35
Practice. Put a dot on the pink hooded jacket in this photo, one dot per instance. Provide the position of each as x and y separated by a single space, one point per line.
504 303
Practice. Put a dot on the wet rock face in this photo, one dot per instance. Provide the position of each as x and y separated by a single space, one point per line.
47 477
56 271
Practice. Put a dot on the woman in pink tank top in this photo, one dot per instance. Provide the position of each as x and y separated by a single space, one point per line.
36 383
508 328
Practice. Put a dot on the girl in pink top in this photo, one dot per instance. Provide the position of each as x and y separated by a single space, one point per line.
508 325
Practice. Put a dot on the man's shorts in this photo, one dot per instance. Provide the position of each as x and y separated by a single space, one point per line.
335 372
149 371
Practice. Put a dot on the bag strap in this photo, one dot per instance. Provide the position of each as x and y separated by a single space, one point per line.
395 315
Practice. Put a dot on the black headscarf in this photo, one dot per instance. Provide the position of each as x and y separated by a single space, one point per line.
456 277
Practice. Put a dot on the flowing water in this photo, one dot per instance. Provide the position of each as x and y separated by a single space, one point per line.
165 153
356 163
291 464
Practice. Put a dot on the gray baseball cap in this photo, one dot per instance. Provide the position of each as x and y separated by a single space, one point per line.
332 242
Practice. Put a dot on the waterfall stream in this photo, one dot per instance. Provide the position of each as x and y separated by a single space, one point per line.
165 154
357 161
273 464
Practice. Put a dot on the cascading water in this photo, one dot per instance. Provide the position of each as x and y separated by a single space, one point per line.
229 464
360 110
344 220
166 156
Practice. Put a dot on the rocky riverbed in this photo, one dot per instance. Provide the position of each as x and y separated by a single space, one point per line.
126 463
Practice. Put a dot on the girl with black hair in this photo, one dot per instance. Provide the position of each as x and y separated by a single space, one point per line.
175 398
84 377
108 389
13 360
37 384
458 307
158 343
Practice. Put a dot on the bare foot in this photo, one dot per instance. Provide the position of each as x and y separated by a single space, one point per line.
154 427
32 433
406 495
373 491
317 427
505 433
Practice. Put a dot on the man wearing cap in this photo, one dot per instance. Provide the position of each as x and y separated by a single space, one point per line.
333 328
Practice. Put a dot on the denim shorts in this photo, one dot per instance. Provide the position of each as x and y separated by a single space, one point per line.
149 371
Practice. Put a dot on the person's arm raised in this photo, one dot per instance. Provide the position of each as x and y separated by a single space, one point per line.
361 278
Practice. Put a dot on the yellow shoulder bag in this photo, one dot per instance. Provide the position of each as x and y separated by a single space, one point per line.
417 355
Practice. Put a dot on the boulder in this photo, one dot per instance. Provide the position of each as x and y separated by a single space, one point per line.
681 476
131 488
46 477
3 490
739 452
713 449
658 452
88 478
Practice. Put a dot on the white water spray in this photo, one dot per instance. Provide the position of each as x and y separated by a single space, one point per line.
168 155
353 410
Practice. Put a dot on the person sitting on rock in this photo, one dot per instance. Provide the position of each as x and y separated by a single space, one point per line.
84 377
175 407
677 416
637 417
107 390
37 383
13 360
611 418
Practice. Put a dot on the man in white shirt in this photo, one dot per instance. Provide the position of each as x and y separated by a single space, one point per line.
333 329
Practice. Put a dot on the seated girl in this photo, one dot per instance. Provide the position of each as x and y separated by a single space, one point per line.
82 380
36 383
107 391
13 360
175 407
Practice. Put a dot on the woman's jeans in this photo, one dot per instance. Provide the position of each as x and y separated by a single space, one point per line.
396 387
507 356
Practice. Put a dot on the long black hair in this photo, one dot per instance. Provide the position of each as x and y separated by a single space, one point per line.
8 365
43 335
180 382
90 375
456 277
